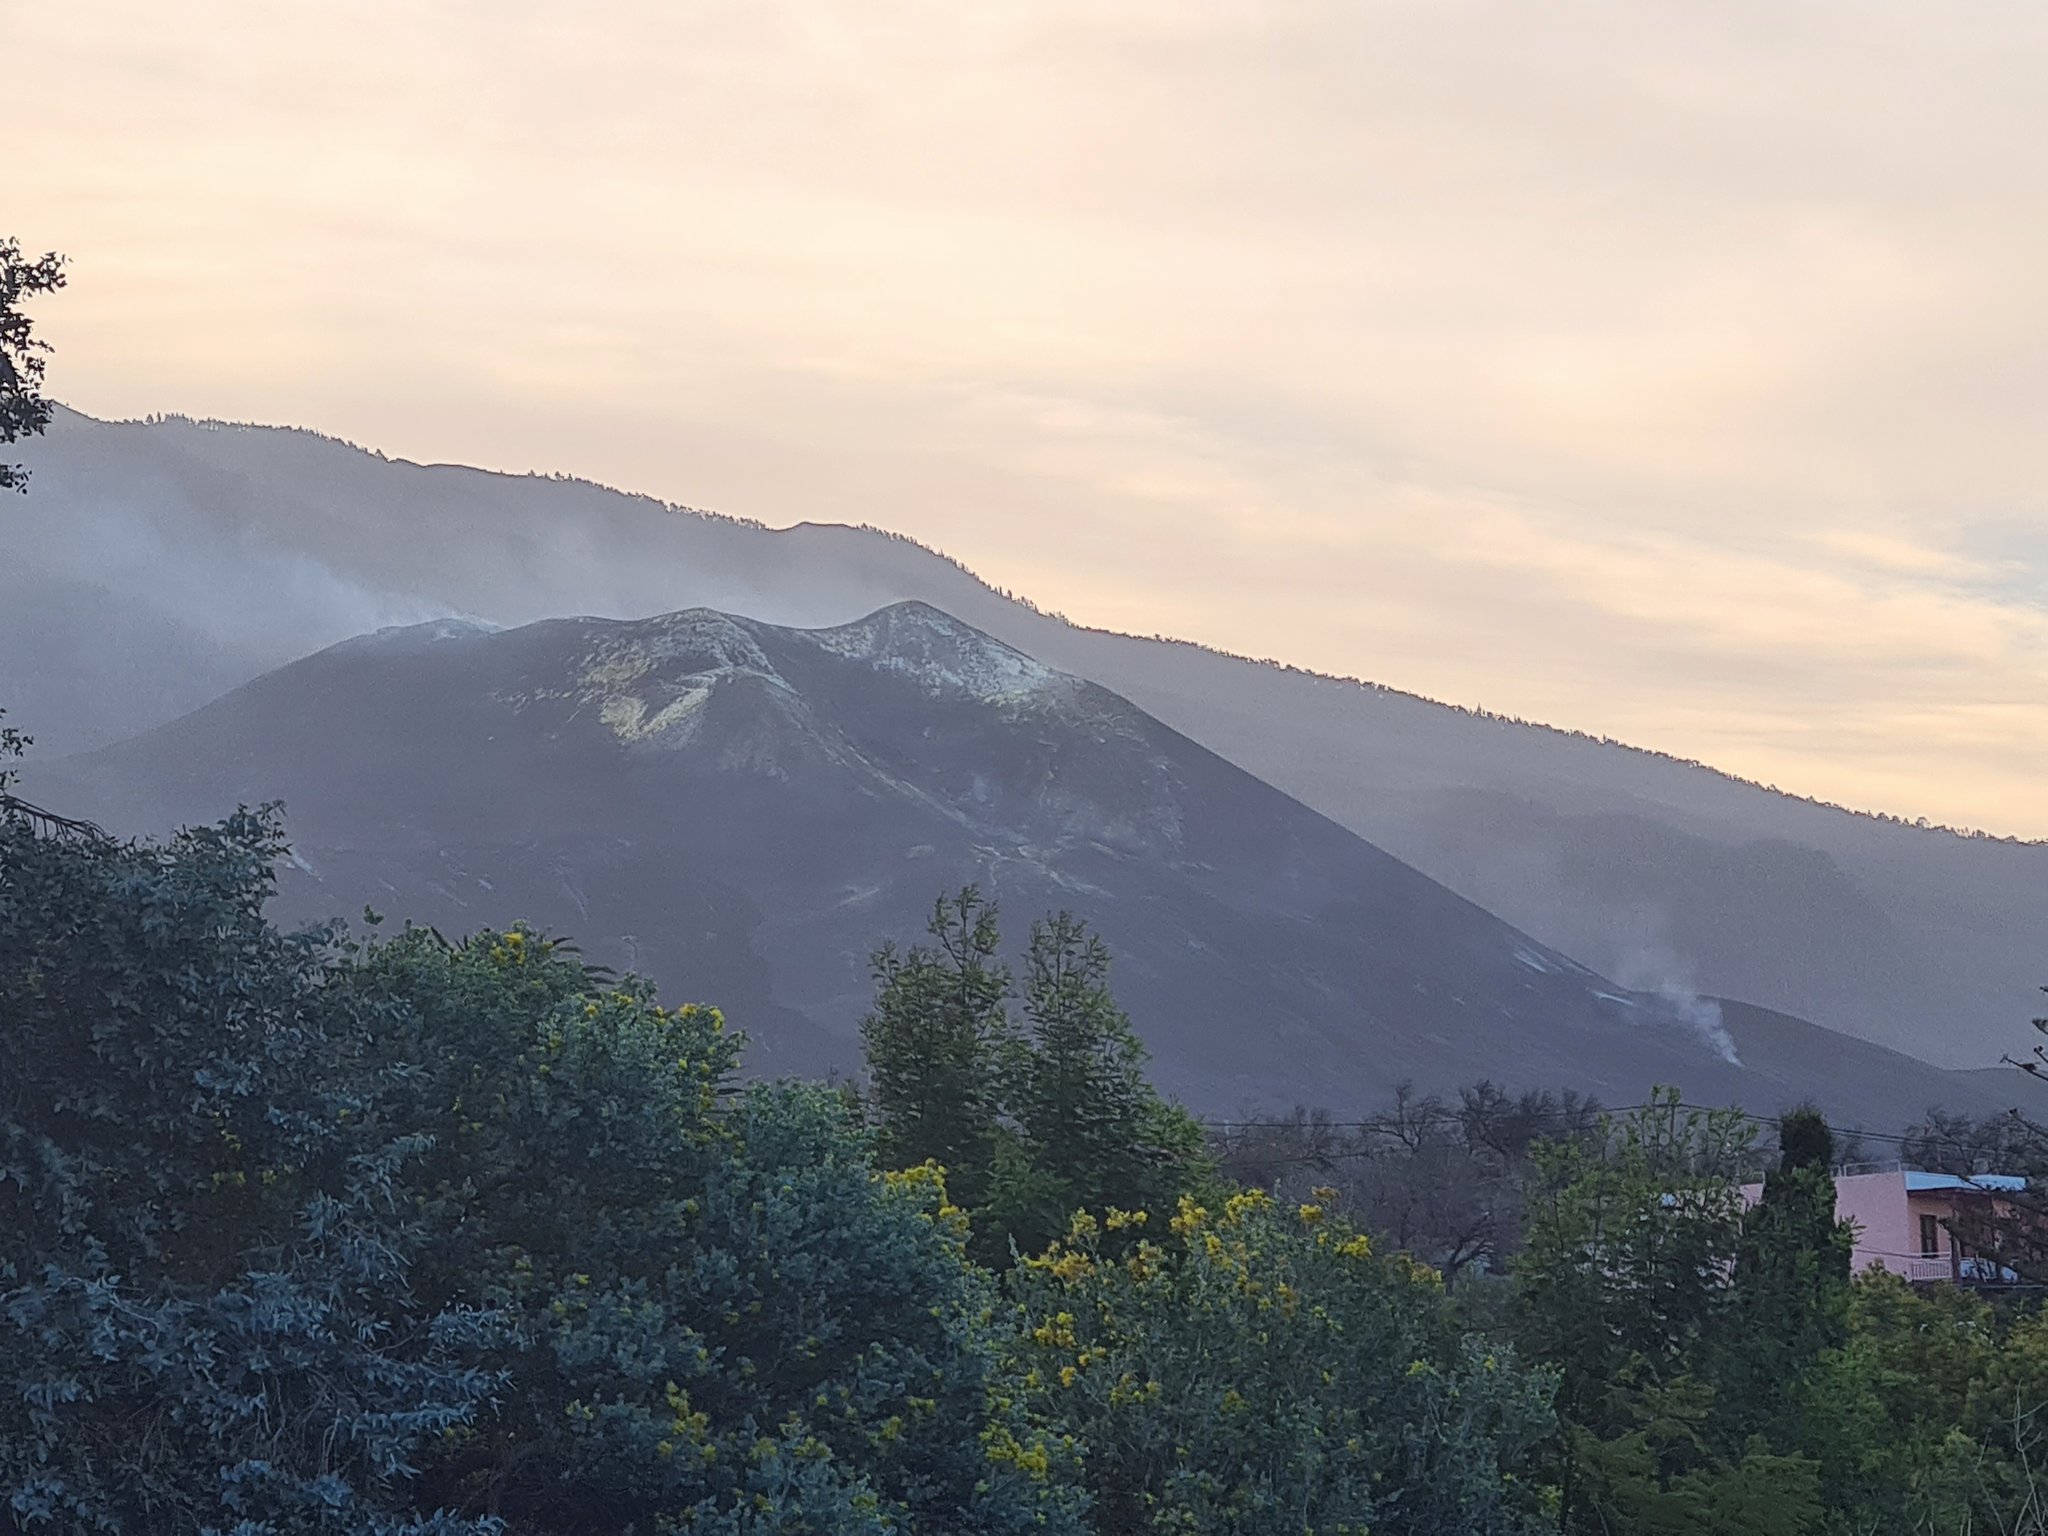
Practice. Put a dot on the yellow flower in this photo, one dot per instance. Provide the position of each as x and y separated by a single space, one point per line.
1242 1204
1072 1266
1057 1334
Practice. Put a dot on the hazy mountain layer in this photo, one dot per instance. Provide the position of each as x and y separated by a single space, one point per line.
154 566
746 811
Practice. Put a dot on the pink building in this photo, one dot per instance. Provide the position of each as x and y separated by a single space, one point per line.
1902 1218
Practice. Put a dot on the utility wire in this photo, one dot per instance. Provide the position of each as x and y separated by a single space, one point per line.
1509 1113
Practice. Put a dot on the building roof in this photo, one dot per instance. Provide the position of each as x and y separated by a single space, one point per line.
1981 1183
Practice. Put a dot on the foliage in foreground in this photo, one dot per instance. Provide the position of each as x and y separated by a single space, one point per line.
1723 1373
1259 1368
396 1237
297 1235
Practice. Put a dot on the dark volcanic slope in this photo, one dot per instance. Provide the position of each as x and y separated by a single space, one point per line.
153 567
745 811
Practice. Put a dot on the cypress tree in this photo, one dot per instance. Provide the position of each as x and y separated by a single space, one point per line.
1790 1296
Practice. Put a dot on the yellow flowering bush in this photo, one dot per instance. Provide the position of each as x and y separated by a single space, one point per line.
1256 1368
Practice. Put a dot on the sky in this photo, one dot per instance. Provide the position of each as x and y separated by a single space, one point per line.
1673 372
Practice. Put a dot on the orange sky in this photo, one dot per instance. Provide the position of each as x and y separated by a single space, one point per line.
1671 372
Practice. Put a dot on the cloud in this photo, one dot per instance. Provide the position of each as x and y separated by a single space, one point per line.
1676 375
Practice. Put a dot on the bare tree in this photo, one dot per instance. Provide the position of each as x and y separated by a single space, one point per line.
1438 1178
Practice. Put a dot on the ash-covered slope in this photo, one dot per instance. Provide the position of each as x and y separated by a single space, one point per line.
155 566
745 811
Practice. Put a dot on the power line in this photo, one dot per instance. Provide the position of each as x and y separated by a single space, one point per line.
1389 1123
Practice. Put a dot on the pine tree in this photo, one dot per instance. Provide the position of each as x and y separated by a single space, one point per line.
939 1043
1091 1132
1083 1103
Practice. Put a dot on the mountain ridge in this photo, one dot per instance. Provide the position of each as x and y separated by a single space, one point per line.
1926 941
817 788
1476 712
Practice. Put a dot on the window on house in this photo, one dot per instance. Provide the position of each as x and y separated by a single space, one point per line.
1930 1237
